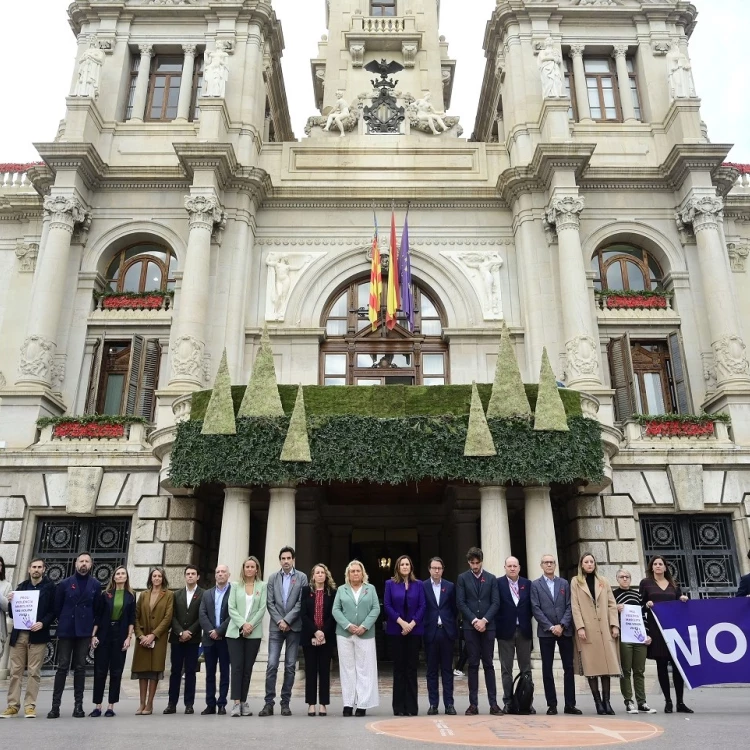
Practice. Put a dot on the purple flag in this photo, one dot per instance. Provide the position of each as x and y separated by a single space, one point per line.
708 639
404 276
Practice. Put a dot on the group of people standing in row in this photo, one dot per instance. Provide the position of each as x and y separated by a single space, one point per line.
579 618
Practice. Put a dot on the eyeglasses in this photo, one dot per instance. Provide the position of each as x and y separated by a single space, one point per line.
548 562
623 576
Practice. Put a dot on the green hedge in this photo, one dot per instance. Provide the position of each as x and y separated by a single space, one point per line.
351 448
389 401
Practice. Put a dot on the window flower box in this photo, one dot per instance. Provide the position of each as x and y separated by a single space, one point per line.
134 301
87 431
629 300
680 427
673 428
96 429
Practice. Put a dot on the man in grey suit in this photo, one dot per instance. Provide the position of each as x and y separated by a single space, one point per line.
283 592
550 605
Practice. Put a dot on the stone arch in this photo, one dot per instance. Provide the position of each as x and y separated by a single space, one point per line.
667 254
99 253
308 300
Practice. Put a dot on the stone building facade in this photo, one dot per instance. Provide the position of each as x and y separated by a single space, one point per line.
588 210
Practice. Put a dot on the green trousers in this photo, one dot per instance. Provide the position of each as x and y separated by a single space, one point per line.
633 659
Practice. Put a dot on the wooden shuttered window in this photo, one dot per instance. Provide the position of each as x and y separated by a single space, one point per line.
679 374
124 377
621 369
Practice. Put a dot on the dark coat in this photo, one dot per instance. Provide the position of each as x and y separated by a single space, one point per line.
207 615
186 618
74 606
744 589
104 607
308 615
446 609
477 603
45 611
407 604
509 613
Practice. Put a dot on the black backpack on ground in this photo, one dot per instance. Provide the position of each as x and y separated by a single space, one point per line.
523 694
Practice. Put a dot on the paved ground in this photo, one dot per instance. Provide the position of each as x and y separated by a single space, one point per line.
721 721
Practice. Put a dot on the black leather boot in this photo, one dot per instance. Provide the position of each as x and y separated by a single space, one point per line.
605 697
594 686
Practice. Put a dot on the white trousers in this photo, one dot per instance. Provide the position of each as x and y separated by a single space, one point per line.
358 668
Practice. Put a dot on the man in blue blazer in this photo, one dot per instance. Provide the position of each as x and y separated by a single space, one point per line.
513 626
75 598
440 634
478 600
550 605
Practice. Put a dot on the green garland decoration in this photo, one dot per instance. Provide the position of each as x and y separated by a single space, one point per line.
261 398
550 411
219 418
508 395
296 445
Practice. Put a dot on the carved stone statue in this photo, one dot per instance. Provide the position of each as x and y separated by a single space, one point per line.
426 112
482 269
681 84
550 70
89 69
284 271
216 73
338 113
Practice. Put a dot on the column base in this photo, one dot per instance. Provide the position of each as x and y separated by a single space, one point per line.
20 408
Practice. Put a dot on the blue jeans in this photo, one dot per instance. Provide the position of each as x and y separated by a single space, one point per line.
215 653
275 640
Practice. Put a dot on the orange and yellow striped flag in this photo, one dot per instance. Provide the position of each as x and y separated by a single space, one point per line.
376 281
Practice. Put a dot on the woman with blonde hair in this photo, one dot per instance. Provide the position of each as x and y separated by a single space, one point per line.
356 609
247 606
404 604
597 630
318 632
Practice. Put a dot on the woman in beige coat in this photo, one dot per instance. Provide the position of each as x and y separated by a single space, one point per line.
597 630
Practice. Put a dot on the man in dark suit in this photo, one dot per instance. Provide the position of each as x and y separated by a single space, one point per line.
185 639
75 598
513 626
478 600
214 620
440 634
744 589
550 605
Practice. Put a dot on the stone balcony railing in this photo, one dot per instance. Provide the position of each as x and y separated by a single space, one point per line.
382 24
13 176
632 306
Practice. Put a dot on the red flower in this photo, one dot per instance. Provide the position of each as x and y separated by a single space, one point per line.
88 430
443 590
73 586
676 428
128 302
523 587
482 580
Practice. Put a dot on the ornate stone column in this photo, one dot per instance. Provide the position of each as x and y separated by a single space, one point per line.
141 83
186 83
579 81
579 330
234 541
540 528
280 531
62 212
494 527
730 355
620 53
188 346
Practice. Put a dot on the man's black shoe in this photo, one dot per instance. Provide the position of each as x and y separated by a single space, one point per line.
471 711
496 710
208 710
221 710
54 713
170 709
450 710
286 711
432 711
78 712
348 711
573 710
552 711
189 710
361 712
267 710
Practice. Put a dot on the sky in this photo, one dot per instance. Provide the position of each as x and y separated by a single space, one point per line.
39 50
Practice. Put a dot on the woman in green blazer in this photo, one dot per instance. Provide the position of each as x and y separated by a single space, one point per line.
355 609
247 606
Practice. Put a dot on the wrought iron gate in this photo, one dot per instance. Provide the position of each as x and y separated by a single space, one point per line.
59 541
699 550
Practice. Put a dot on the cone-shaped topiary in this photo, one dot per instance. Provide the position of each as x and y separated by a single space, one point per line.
550 412
219 419
297 446
478 437
262 398
508 397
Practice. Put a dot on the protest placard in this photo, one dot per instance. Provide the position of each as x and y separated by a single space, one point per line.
632 629
25 605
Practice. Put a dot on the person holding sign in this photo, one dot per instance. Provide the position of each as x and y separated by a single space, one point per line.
632 654
31 605
4 591
113 632
660 586
597 630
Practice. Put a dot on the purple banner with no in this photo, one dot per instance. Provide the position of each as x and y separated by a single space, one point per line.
709 639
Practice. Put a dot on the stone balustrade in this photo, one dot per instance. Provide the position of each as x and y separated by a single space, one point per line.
10 177
383 24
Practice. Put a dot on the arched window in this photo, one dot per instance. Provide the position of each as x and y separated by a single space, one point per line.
142 268
354 354
625 267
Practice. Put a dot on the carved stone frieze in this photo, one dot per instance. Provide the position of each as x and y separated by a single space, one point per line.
582 361
482 269
64 212
357 52
284 272
730 357
564 213
37 357
27 254
187 358
409 51
660 47
57 373
204 211
737 251
709 371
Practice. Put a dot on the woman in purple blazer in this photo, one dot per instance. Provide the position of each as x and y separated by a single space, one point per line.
404 625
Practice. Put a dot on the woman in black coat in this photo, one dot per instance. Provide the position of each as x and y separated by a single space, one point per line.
113 633
318 636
